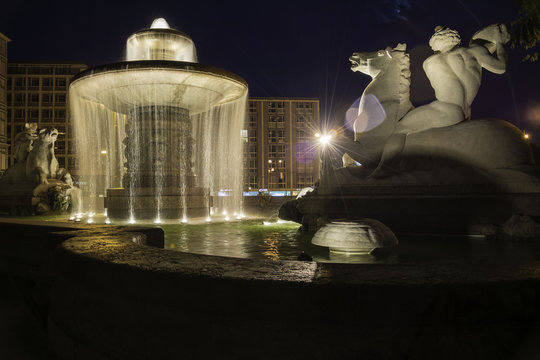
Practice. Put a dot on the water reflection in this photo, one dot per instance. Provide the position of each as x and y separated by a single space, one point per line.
252 239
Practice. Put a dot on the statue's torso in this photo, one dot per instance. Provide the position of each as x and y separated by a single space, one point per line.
455 76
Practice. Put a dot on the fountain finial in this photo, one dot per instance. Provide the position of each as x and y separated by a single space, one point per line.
160 23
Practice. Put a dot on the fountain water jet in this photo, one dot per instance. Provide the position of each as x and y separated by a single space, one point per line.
159 134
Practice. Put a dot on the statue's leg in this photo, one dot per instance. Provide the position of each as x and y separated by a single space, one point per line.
41 176
433 115
393 147
366 151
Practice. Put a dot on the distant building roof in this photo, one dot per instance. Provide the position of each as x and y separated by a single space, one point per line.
4 37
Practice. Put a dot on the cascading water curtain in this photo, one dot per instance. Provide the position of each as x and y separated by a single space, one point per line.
97 132
218 155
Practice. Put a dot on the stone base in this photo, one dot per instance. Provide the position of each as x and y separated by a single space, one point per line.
409 209
27 198
145 203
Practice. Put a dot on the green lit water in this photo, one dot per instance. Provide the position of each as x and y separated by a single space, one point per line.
252 239
246 239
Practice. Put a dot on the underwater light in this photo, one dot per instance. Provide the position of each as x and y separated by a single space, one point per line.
184 220
107 221
266 223
131 220
227 218
157 221
208 219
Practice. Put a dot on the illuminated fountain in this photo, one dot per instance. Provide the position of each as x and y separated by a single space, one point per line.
159 134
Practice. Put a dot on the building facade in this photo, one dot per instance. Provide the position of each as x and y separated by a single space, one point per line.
280 151
3 104
37 92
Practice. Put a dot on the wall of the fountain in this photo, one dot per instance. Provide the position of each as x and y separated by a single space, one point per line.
145 153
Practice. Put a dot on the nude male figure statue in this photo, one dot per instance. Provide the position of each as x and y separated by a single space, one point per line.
455 74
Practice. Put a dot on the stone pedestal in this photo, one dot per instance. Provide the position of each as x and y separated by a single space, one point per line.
158 148
416 209
159 180
120 202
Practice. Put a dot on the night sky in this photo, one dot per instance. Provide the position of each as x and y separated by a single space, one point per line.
284 48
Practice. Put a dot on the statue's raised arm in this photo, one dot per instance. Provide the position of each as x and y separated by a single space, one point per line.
455 73
489 43
22 143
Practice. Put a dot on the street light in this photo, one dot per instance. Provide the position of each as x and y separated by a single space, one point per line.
325 139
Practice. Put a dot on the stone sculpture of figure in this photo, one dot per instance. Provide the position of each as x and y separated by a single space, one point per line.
41 163
455 74
22 144
392 137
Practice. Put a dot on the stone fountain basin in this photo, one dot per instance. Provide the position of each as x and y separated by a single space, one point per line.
111 297
193 86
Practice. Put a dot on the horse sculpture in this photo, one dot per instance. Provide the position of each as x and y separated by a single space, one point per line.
392 137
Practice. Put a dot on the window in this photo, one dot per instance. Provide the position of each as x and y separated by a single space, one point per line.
20 99
276 136
46 99
46 114
304 105
33 99
60 83
33 82
244 135
20 114
253 182
252 136
46 83
304 180
276 107
40 70
277 118
276 150
60 99
20 83
33 115
60 114
60 146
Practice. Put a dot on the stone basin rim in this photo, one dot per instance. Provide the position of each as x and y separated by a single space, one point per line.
113 246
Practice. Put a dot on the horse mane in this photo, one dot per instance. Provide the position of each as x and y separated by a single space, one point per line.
404 63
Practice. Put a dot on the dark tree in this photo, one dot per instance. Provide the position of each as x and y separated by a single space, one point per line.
526 28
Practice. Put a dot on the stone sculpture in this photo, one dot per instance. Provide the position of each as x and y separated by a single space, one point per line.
22 143
388 127
432 168
35 183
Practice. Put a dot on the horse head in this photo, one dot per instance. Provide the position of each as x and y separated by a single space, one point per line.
374 62
47 135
